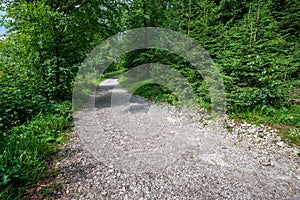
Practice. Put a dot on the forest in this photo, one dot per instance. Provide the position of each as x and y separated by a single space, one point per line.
254 43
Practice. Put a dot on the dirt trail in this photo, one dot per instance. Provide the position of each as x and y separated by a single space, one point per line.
177 156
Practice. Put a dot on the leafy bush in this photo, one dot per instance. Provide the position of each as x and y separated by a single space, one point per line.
20 95
26 150
291 135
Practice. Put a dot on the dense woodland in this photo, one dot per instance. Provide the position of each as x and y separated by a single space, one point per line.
254 43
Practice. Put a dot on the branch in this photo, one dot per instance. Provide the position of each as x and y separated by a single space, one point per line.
73 6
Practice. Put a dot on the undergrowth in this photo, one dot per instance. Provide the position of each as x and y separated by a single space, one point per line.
286 118
26 150
152 91
155 92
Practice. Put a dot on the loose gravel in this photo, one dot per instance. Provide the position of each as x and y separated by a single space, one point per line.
188 156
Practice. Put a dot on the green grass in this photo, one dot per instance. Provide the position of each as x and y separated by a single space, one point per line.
285 118
149 90
111 74
27 150
288 115
154 92
86 86
291 136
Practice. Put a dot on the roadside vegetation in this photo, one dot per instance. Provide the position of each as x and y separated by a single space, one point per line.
286 118
255 45
256 48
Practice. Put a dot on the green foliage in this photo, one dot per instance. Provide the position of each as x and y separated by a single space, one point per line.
285 118
255 60
21 95
149 90
22 91
113 73
291 135
259 65
25 150
55 37
286 115
254 44
156 93
145 13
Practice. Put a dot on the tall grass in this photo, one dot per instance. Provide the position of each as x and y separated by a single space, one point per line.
26 150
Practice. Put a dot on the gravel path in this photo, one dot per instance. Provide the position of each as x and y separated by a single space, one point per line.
129 148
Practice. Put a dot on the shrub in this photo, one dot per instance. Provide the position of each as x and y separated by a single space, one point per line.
26 149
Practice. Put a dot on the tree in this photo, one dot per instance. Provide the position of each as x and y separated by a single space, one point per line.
45 43
57 36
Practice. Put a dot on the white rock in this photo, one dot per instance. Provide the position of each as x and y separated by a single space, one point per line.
281 144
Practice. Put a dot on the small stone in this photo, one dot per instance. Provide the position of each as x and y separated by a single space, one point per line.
281 144
252 130
266 163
